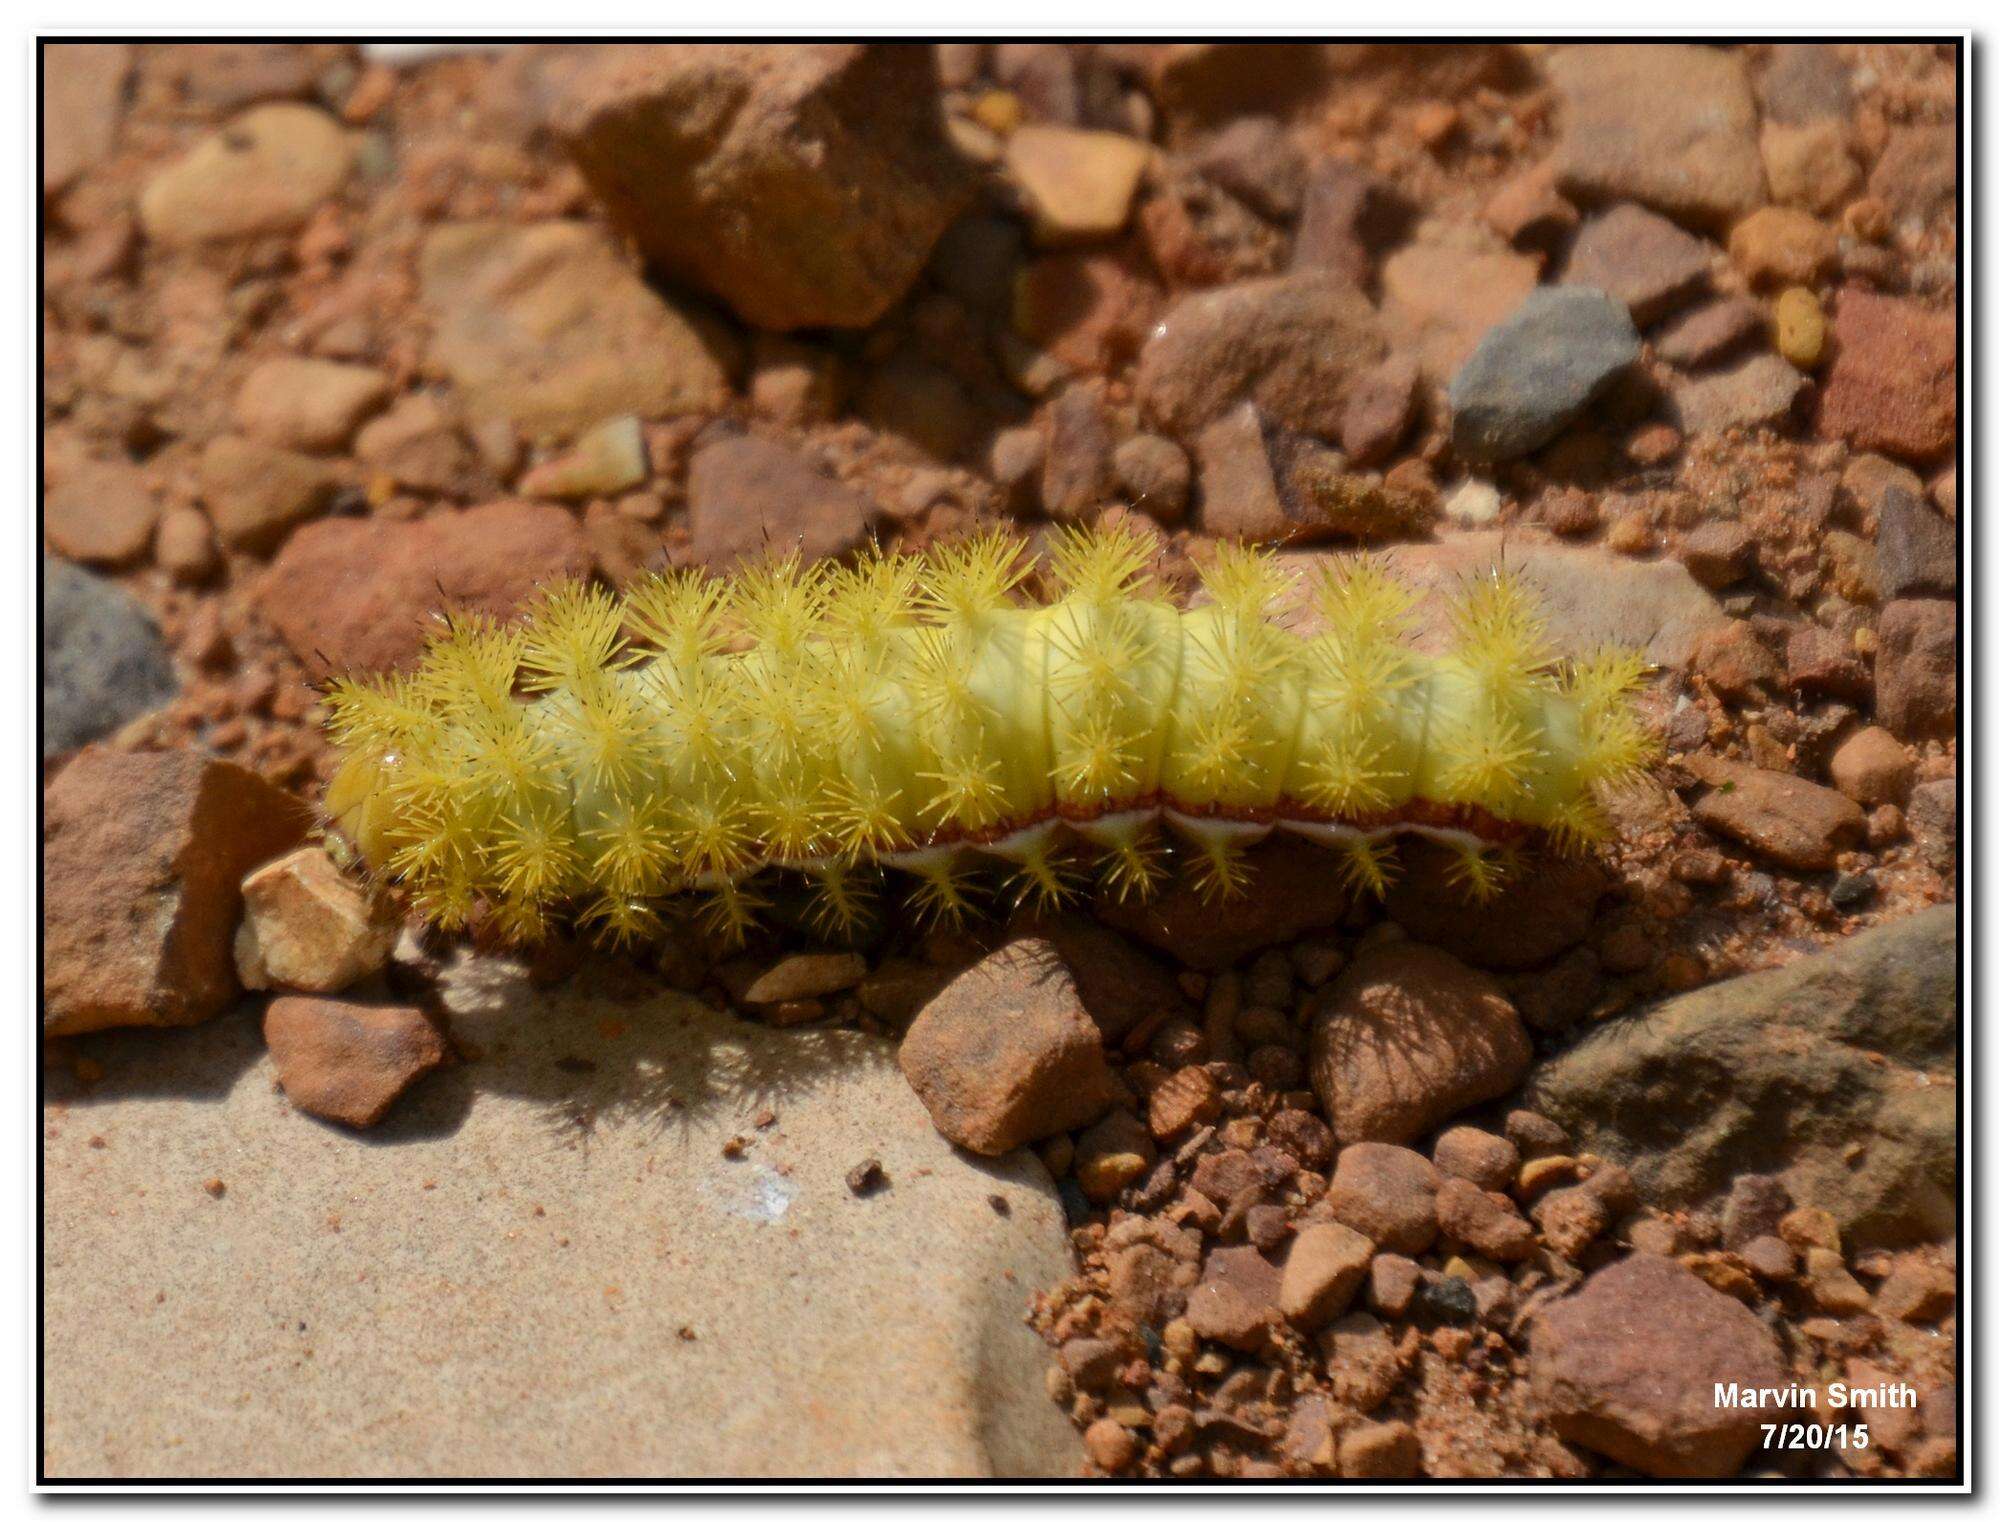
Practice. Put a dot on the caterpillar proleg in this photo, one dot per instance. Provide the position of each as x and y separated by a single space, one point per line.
919 713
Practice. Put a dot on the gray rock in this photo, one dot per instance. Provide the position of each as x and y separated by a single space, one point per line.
1776 1072
103 660
1916 551
544 1262
1534 373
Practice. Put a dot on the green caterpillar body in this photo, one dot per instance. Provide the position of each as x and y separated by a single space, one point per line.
916 714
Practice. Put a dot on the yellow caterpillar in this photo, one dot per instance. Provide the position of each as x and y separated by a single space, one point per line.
917 713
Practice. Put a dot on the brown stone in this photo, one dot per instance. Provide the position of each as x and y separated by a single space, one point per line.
1380 1451
750 496
1916 668
1792 821
308 404
1408 1037
1006 1053
1236 1302
1484 1220
1628 1367
1871 766
805 185
143 857
349 1062
1478 1156
83 100
1709 331
265 172
100 512
256 494
1150 1267
1326 1266
1640 259
1388 1193
1439 302
1779 246
308 926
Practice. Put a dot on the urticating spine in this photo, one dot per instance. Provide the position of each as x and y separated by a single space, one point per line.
917 713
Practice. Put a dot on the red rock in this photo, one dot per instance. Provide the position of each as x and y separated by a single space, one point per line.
1718 553
923 402
1480 1157
1408 1037
748 496
804 184
1916 1290
416 444
547 327
1236 1301
1379 410
1090 311
1120 986
1670 125
1709 331
1150 1267
1529 212
358 595
1571 1219
1484 1220
1736 663
1761 391
1640 259
142 867
1792 821
1006 1054
1344 215
1077 477
1392 1283
1628 1367
1818 660
1326 1266
349 1062
1291 893
308 404
1893 384
1292 343
100 512
1197 234
265 172
1916 668
1254 160
1388 1193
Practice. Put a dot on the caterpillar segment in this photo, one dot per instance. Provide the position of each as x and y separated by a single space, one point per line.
920 715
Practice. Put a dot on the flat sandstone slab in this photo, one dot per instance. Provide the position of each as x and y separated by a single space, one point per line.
496 1280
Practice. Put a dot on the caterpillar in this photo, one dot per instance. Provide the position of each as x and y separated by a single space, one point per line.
922 714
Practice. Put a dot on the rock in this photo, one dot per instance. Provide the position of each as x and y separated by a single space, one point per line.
922 402
1078 185
1529 212
1832 1288
103 660
256 495
1893 384
1183 1099
1327 1264
345 1061
1484 1220
1916 668
1236 1301
747 496
1805 82
1772 1072
609 459
1292 892
1719 553
803 975
1917 173
1770 1258
266 172
1115 1152
1154 474
1006 1054
1121 987
1379 410
1480 1157
914 1296
83 100
1916 1290
1737 664
1810 166
1077 474
1933 816
1265 483
417 445
1759 392
1640 259
1380 1451
308 926
1629 1365
1757 1203
804 185
1799 327
1392 1283
1291 343
1670 125
1871 766
1254 160
1087 312
1707 332
1778 245
1388 1193
1536 372
1150 1267
1818 660
1534 918
100 512
143 857
1916 551
1407 1038
357 595
1570 1219
184 545
546 326
1786 818
312 405
1111 1446
1441 302
1345 215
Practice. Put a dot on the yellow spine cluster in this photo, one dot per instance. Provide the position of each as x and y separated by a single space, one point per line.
603 755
